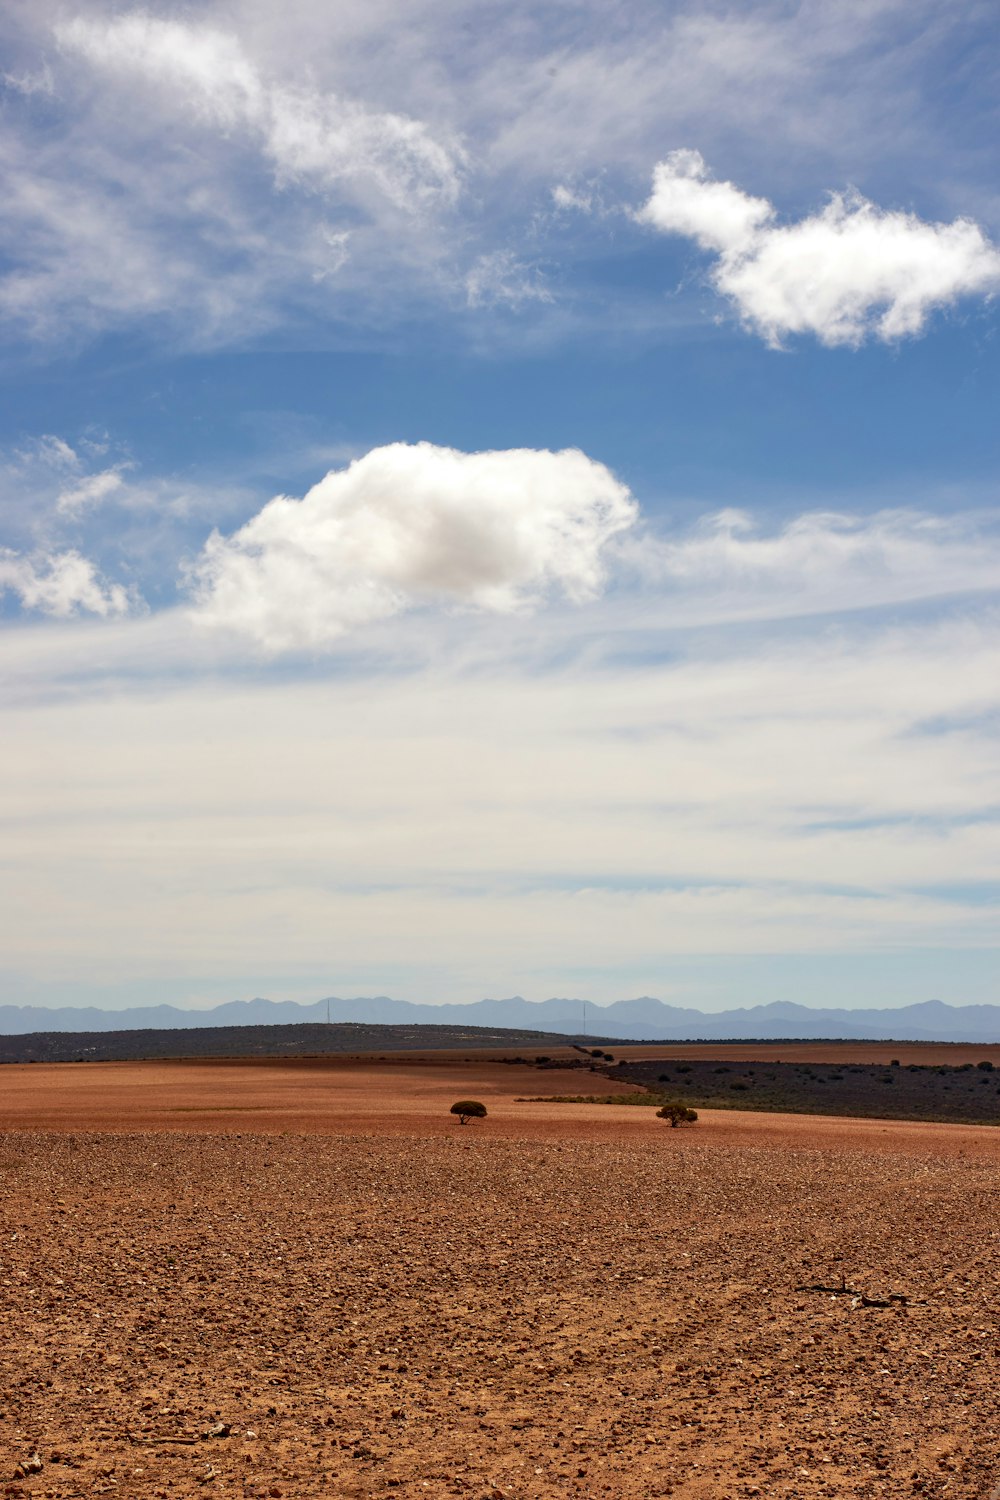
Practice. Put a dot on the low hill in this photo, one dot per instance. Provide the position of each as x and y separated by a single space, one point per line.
262 1041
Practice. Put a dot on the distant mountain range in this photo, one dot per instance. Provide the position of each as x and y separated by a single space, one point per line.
644 1019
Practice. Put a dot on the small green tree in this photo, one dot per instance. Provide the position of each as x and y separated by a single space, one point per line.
468 1109
677 1114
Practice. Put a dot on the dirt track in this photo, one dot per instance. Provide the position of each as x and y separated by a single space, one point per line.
561 1300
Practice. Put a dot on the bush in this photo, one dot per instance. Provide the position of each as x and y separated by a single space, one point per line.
468 1109
987 1067
677 1114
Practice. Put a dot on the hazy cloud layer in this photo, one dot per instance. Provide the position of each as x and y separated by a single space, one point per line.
730 566
408 525
837 792
851 271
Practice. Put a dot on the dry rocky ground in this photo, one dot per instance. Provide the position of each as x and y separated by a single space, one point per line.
526 1307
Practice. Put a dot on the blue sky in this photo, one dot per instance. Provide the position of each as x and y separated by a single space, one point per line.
499 498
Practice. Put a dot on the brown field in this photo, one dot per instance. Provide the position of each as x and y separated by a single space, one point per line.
928 1054
306 1279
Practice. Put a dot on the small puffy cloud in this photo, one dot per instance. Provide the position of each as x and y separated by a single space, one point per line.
310 138
408 525
851 271
59 584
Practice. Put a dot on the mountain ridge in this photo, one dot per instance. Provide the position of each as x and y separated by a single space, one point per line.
643 1018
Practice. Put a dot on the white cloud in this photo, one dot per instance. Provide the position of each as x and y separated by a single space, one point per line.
60 584
685 201
851 271
309 137
413 524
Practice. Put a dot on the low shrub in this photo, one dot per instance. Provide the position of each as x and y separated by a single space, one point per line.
468 1109
677 1114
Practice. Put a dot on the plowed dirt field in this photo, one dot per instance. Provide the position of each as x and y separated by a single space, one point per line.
309 1280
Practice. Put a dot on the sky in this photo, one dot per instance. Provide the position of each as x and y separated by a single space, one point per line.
499 498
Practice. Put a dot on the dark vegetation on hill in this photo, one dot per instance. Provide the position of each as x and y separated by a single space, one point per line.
953 1094
260 1041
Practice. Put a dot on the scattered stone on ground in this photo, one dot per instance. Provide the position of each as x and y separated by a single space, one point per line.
480 1315
566 1300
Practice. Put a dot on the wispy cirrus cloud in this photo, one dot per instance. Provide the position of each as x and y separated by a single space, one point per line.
847 273
179 184
307 136
500 279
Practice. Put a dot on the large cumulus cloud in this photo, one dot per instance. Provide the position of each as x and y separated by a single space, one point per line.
411 524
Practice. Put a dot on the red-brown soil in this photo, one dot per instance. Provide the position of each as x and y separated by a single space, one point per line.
559 1300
